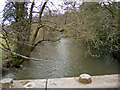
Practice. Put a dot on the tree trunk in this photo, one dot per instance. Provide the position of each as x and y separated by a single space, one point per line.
25 50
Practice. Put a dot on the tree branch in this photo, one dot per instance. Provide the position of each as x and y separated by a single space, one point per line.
16 54
41 11
28 58
4 47
6 42
111 11
31 10
67 36
45 40
23 43
60 30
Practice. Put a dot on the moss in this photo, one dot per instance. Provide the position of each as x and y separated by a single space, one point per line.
17 62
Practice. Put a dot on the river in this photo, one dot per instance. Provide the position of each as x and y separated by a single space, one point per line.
65 58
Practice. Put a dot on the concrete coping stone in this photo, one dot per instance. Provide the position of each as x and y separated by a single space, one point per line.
6 82
102 81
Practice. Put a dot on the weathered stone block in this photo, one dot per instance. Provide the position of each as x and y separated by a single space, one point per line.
6 82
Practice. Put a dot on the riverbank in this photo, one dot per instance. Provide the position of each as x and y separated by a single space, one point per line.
102 81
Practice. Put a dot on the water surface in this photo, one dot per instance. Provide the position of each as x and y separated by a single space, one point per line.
65 58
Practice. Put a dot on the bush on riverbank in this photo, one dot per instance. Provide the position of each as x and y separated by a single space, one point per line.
96 25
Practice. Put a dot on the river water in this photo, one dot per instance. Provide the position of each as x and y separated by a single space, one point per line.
65 58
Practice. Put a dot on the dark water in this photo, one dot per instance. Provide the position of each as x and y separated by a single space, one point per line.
63 59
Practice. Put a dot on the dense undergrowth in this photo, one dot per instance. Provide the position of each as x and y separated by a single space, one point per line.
95 25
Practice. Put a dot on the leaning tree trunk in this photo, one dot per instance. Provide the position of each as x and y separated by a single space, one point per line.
24 37
24 49
37 29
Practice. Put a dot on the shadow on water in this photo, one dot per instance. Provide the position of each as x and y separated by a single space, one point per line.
63 59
